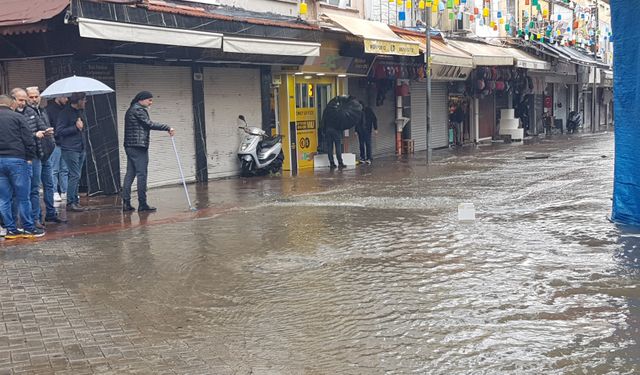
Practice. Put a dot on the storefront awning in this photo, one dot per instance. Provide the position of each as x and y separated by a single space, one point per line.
269 47
484 54
525 60
378 37
441 53
128 32
20 16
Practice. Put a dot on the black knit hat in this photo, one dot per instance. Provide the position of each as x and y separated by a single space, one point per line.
142 95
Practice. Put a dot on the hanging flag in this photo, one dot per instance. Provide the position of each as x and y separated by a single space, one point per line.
402 16
486 12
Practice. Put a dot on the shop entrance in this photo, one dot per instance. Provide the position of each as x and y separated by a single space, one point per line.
307 97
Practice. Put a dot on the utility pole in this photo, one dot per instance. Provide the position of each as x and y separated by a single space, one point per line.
594 90
427 61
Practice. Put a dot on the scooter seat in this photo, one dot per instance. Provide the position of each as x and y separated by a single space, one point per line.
270 142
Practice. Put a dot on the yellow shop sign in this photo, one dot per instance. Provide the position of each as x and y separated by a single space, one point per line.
383 47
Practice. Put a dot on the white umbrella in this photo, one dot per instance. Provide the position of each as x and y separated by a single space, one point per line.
69 85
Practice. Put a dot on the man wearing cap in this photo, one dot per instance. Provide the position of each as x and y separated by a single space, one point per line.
137 129
69 131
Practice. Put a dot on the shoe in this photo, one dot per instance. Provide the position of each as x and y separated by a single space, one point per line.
39 225
13 234
332 166
75 207
63 196
3 232
342 166
56 197
146 207
368 161
55 219
126 206
35 233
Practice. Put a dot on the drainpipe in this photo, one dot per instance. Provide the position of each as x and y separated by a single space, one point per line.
399 124
476 120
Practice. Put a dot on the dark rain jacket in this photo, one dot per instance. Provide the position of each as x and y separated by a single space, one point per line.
17 139
68 136
138 126
34 124
45 145
369 122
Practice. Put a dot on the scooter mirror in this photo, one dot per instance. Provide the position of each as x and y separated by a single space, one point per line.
241 121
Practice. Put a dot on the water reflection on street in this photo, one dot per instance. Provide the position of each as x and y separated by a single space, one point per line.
364 271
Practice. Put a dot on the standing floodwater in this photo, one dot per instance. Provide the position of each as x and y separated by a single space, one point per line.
364 271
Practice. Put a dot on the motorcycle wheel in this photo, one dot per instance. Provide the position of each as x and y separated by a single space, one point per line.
246 169
276 166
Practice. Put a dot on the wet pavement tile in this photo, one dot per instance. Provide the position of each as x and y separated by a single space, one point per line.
361 271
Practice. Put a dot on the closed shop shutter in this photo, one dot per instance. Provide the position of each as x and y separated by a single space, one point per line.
487 116
229 92
172 105
383 143
26 73
439 115
560 97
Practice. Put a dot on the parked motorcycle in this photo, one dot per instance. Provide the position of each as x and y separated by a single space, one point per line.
574 122
259 153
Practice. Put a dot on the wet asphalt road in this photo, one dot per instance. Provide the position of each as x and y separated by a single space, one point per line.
363 271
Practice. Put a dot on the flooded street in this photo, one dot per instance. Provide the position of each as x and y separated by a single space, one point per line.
364 271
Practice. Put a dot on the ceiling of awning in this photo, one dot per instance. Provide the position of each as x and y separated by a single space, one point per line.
484 54
441 52
378 37
525 60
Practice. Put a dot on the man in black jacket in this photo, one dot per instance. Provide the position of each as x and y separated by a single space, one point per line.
47 146
369 124
70 136
17 149
58 167
137 129
41 131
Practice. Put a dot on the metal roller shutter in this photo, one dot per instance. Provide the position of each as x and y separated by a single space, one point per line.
26 73
172 105
229 92
439 115
383 143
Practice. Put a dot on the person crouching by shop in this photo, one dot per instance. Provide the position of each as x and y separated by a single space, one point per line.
46 145
69 131
369 124
17 149
137 129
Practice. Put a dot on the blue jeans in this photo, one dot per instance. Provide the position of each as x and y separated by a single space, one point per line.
48 187
59 170
15 178
74 161
34 194
364 140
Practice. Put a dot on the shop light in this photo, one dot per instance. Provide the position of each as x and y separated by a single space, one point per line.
307 77
342 76
319 74
298 73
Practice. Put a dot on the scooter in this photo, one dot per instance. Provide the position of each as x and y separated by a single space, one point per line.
574 122
259 153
